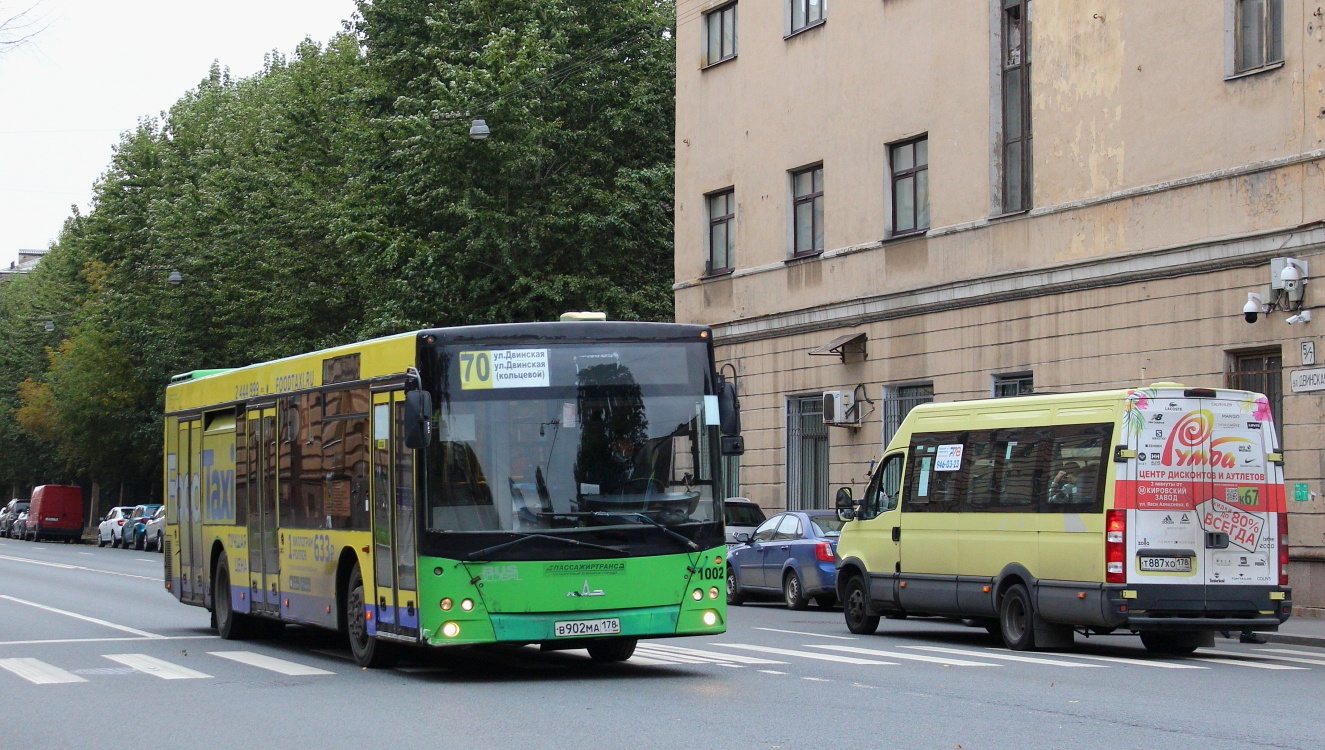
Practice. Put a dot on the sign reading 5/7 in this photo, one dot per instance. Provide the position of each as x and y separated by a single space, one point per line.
504 368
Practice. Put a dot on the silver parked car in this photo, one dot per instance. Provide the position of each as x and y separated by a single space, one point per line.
156 529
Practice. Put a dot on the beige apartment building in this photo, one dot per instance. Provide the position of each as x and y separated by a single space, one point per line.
906 200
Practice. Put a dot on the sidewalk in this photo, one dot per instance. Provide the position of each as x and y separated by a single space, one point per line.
1298 631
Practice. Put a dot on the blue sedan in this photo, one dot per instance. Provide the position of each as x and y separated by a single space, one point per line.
793 553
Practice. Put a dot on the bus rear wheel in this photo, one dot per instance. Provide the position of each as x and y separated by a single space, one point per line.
617 649
367 649
1016 619
230 625
1171 643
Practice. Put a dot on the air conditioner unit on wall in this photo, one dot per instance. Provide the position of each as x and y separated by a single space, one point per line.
839 408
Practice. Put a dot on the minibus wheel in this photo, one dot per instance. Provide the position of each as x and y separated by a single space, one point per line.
1016 618
1171 643
230 625
856 607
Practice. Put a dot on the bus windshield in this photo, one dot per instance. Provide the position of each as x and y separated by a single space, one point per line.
576 438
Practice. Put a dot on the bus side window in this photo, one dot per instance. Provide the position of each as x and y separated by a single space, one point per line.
1077 462
940 468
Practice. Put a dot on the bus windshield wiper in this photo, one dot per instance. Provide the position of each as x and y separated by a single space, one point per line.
481 553
687 541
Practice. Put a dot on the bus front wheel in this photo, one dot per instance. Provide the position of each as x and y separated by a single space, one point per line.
367 649
617 649
856 607
1016 618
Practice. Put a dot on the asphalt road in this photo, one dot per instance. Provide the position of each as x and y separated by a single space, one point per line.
95 653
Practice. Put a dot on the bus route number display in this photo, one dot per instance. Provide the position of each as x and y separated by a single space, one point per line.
504 368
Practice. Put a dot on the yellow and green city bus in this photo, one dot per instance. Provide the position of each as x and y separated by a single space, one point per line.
549 483
1157 511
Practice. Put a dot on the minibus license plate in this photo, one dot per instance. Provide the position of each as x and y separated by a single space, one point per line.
1166 564
571 628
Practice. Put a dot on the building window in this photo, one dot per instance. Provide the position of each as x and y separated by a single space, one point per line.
1258 34
720 40
910 165
1019 384
807 454
722 219
807 13
807 190
1261 372
898 402
1016 66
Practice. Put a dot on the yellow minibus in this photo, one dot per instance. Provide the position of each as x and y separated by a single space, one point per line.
1157 511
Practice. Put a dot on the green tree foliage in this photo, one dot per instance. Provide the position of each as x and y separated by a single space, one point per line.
336 196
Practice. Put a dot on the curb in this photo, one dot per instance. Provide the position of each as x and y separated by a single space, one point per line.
1295 640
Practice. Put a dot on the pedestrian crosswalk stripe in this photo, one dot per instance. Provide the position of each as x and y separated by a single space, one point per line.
156 667
806 654
38 672
734 658
645 661
1320 658
910 657
1157 663
270 663
1239 660
675 658
1006 657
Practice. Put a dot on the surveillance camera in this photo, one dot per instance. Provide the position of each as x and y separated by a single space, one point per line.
1294 279
1301 317
1253 307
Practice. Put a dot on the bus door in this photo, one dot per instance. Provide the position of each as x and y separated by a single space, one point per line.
192 576
263 554
880 527
394 553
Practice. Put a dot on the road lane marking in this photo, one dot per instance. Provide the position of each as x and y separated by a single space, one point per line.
802 632
647 662
1006 657
912 657
110 640
66 566
157 667
38 672
1316 654
270 663
771 671
85 618
815 679
1139 662
735 658
1241 660
678 658
806 654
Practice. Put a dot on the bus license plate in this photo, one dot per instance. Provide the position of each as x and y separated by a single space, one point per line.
571 628
1167 564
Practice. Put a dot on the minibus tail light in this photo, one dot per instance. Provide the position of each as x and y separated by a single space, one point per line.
823 552
1115 546
1283 548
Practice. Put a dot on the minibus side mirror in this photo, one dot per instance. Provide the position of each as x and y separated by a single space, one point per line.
846 507
418 419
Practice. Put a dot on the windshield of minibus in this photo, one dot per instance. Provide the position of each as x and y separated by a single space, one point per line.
563 437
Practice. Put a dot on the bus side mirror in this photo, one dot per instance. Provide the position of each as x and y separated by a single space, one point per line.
846 507
729 418
418 419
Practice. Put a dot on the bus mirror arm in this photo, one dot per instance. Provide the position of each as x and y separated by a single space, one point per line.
418 419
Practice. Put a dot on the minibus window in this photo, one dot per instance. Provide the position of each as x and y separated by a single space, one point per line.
1076 467
884 488
939 468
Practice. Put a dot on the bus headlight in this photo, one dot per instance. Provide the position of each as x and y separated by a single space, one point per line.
446 604
450 630
710 618
466 604
713 592
697 595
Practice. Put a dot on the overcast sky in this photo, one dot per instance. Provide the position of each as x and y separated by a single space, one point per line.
98 67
